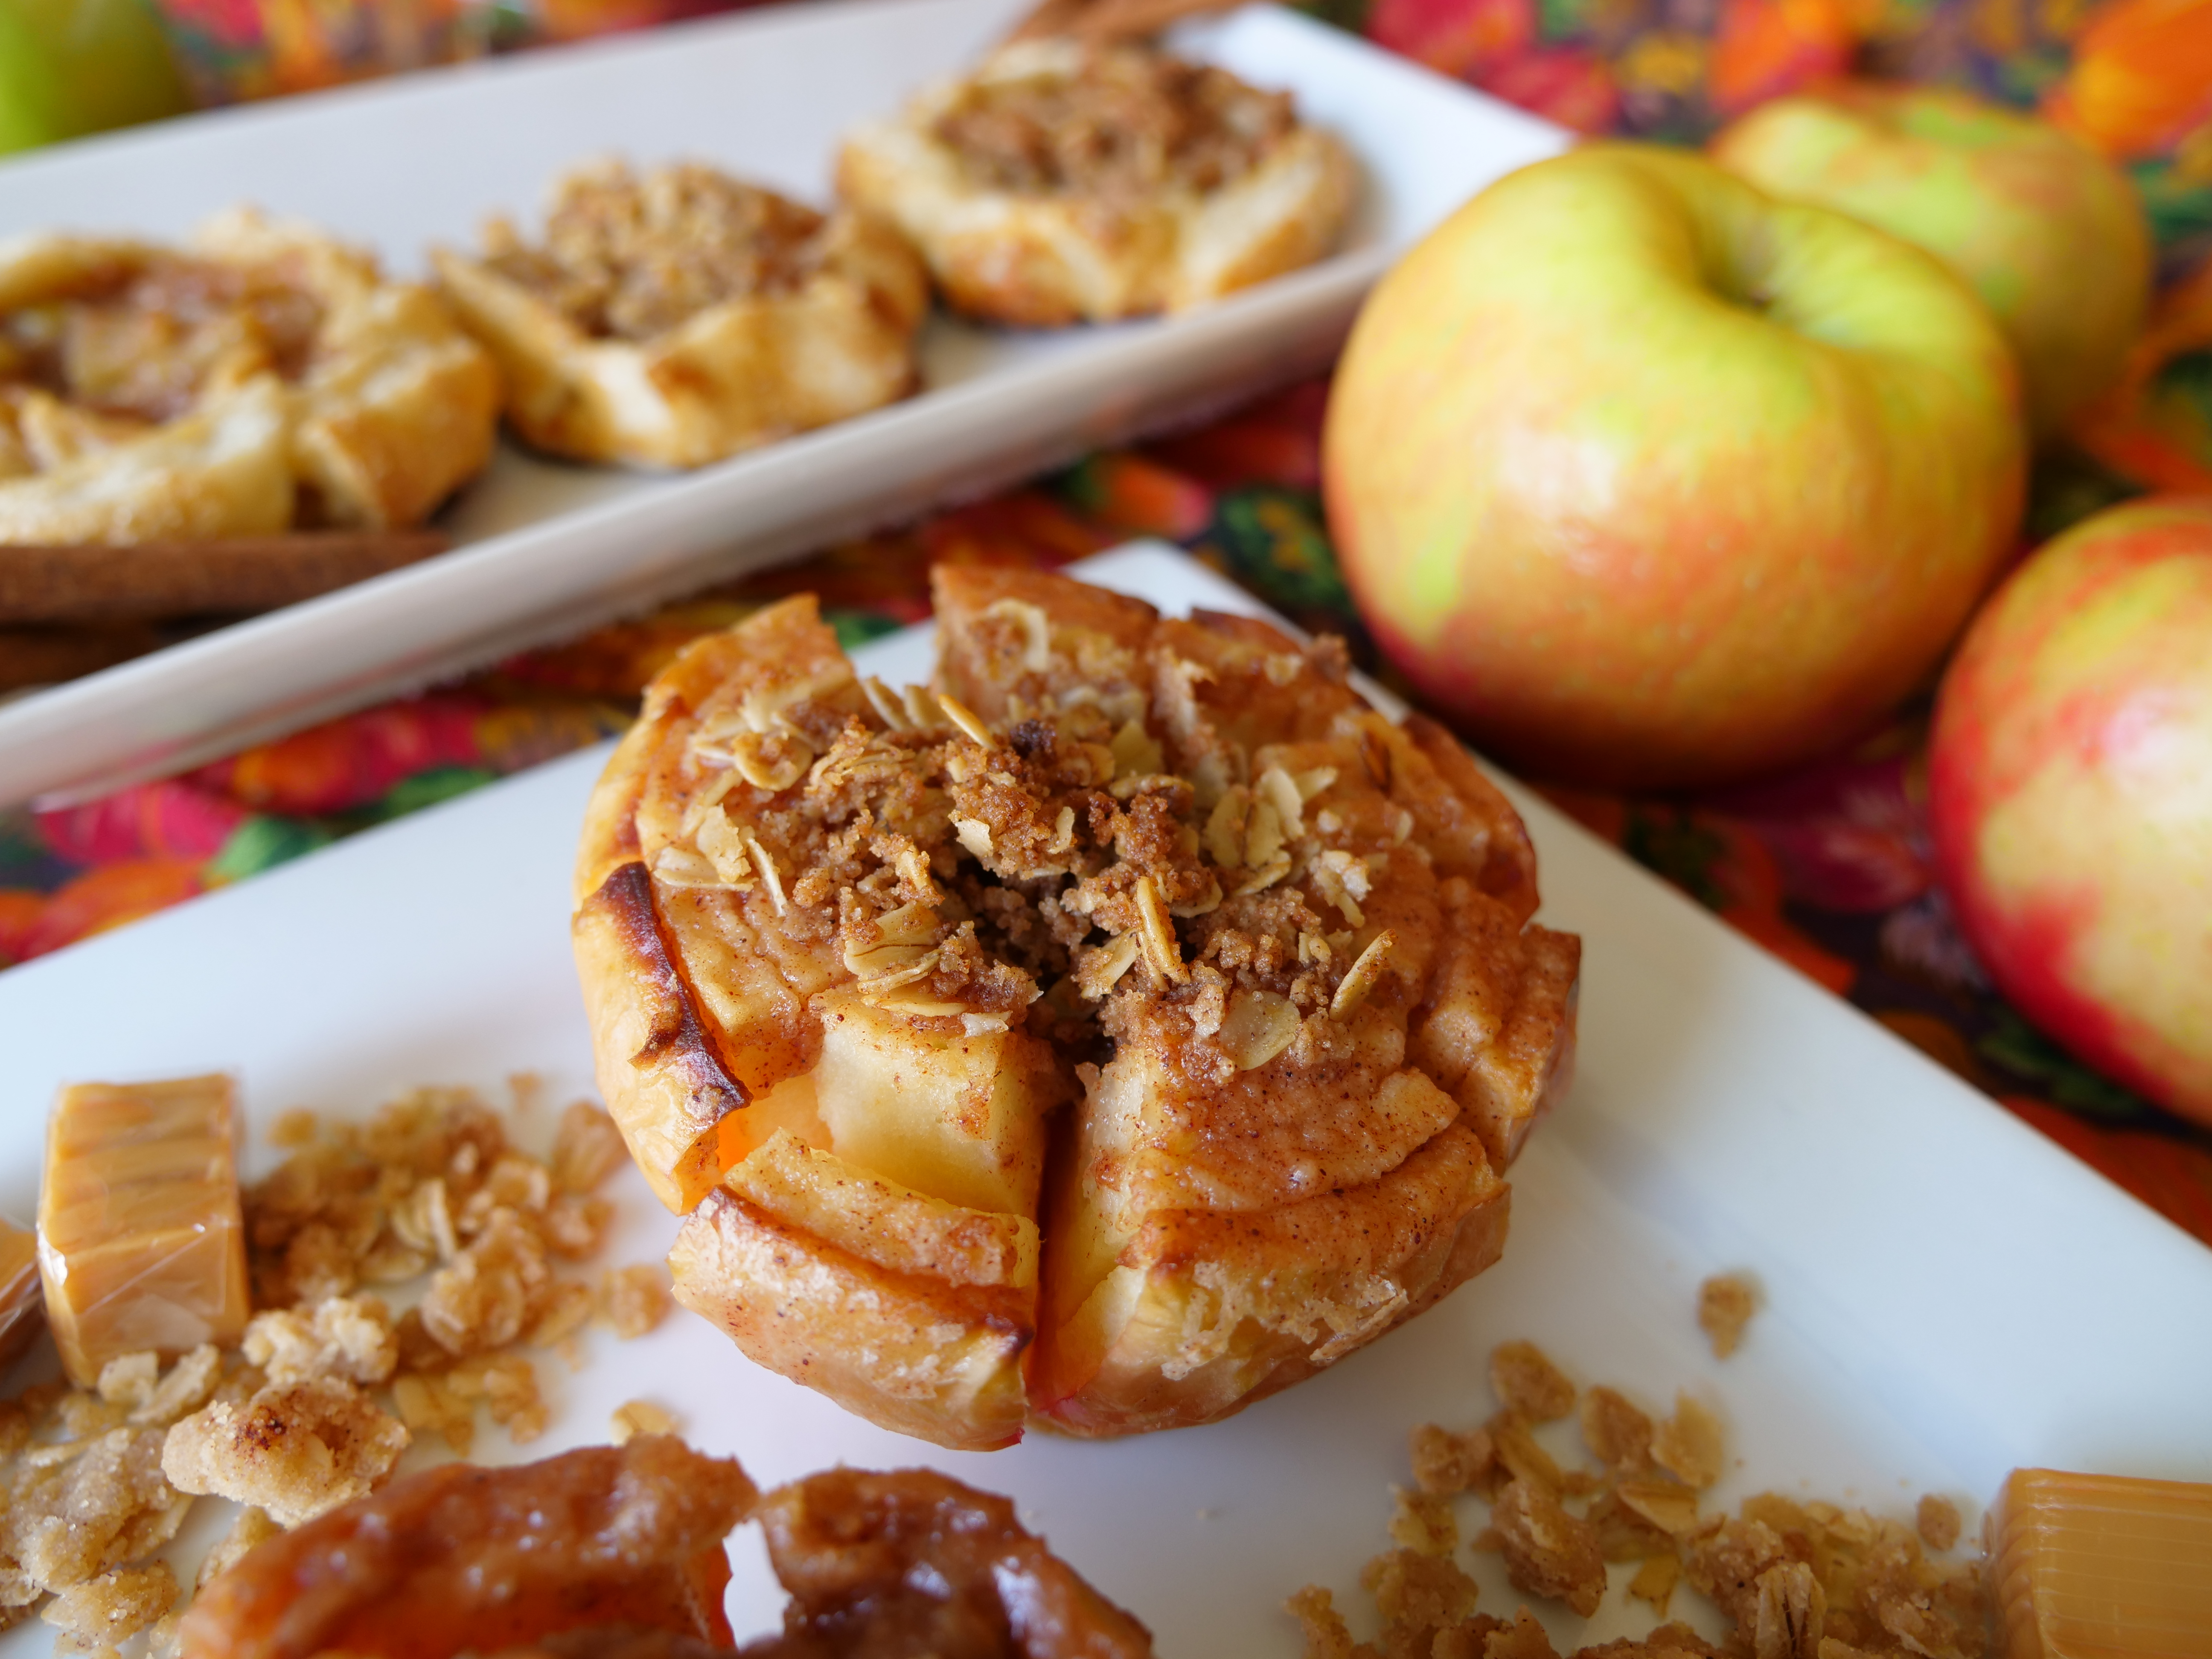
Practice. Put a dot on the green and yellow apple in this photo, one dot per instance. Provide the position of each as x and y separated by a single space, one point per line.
1649 479
2071 792
2049 233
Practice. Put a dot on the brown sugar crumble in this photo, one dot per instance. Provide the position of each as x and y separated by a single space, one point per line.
1793 1580
1726 1303
1121 119
326 1387
1936 1521
630 256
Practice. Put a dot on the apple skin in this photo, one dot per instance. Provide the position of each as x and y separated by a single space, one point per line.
2051 235
2070 792
1649 480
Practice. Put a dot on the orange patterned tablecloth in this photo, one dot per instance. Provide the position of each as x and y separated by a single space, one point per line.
1827 868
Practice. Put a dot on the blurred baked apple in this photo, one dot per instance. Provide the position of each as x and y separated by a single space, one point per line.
2048 232
1650 479
2070 786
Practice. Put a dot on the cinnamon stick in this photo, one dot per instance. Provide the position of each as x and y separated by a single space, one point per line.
230 575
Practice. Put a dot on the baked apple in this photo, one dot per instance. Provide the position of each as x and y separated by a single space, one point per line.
1162 907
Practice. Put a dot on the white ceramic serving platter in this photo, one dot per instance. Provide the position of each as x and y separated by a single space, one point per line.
1949 1294
547 551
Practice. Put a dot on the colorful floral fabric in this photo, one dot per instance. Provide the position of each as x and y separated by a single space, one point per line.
1827 867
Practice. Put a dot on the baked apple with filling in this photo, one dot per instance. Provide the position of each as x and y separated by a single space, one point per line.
262 376
1119 1031
1067 181
675 317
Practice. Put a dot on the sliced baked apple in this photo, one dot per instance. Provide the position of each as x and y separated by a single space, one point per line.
849 951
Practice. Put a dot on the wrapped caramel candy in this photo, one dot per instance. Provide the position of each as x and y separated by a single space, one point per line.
2101 1566
141 1242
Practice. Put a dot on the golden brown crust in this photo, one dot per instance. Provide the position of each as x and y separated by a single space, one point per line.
1279 941
681 380
1065 183
263 372
665 1086
913 1352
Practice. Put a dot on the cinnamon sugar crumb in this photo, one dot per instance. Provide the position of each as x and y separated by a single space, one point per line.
1423 1521
1417 1594
1937 1522
1726 1303
1526 1381
1548 1550
345 1337
633 1299
103 1611
1327 1636
297 1450
1444 1462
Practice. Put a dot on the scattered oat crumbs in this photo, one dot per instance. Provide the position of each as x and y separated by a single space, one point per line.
1423 1521
633 1299
1937 1522
102 1612
1549 1550
1690 1445
1794 1580
1526 1381
1444 1462
1726 1303
1616 1429
98 1479
636 1417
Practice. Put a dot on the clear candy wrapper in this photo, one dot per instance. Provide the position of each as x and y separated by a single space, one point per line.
21 1304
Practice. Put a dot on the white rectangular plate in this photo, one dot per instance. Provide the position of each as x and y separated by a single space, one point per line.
1949 1296
548 550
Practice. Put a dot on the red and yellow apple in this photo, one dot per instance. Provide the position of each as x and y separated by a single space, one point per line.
1649 479
2049 233
2070 791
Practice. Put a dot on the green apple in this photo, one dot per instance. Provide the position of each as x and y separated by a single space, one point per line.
2070 794
1649 479
70 67
2048 232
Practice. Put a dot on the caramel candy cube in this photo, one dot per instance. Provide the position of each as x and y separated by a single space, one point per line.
2100 1566
141 1242
19 1290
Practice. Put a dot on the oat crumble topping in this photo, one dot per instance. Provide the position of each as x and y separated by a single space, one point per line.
965 870
630 256
1125 120
1726 1303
